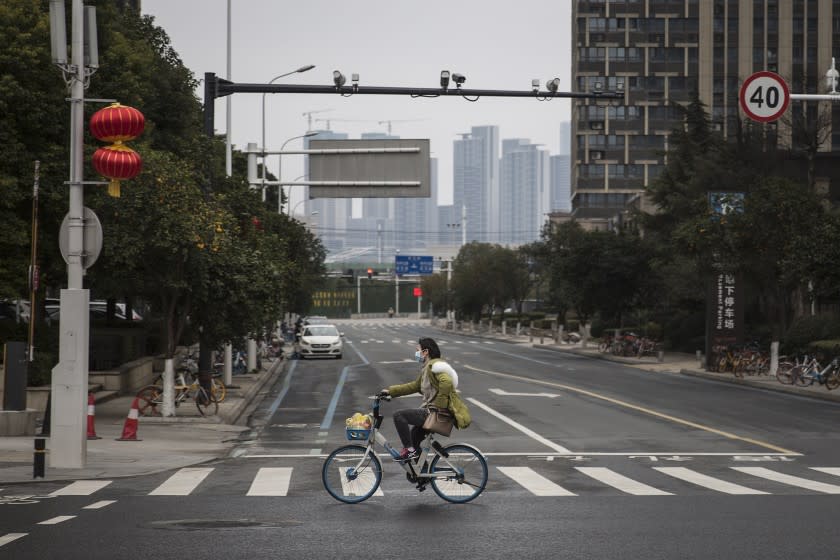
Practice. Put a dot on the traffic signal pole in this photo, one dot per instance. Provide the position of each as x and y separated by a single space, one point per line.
215 87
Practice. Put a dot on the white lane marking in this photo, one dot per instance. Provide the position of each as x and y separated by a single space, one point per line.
534 482
361 485
791 480
545 454
100 505
504 393
530 433
57 520
828 470
380 341
315 451
621 482
9 537
82 488
709 482
271 482
489 342
182 482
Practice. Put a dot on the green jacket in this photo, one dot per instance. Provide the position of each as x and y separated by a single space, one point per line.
447 397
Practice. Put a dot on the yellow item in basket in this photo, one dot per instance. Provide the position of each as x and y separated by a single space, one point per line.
359 421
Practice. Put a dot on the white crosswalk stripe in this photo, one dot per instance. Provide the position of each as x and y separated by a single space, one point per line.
705 481
621 482
9 537
278 482
534 482
790 479
271 482
182 483
82 488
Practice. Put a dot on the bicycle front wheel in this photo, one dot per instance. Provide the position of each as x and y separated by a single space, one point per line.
832 379
148 400
205 403
218 390
461 475
352 474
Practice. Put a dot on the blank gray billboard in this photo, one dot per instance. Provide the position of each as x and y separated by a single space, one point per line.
370 169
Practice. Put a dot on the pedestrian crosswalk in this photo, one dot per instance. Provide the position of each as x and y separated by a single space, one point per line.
526 480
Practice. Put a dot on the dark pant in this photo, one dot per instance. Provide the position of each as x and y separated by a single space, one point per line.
409 423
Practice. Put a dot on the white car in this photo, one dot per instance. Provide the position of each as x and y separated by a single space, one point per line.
320 340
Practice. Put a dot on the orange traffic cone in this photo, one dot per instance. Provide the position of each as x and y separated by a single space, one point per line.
130 427
91 429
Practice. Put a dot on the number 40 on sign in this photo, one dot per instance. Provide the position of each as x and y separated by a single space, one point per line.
764 96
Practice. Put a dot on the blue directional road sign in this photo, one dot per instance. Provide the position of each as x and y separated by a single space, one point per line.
412 264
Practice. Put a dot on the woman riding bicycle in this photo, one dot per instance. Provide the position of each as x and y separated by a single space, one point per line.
437 383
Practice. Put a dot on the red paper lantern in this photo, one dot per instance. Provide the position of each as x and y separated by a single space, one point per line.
117 123
117 163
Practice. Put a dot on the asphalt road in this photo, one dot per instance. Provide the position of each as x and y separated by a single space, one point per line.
588 459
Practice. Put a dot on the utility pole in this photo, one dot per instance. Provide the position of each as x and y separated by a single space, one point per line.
68 437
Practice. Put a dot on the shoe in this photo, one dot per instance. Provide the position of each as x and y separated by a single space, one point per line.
406 455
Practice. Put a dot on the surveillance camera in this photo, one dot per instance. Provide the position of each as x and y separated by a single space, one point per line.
535 85
458 79
338 78
444 79
553 85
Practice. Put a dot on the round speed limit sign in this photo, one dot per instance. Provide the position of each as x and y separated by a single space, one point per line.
764 96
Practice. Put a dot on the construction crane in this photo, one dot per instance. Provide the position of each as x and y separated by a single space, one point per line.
328 121
308 115
399 120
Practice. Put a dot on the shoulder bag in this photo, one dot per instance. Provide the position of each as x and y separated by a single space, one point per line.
439 421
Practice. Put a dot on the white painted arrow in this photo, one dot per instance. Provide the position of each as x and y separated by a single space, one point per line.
506 394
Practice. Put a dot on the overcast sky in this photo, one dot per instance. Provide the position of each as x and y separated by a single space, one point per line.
495 44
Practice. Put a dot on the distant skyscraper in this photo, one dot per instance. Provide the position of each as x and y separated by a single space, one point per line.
476 181
561 193
565 138
525 191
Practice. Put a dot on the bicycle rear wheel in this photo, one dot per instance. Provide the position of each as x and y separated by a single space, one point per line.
461 475
784 373
352 474
148 400
205 403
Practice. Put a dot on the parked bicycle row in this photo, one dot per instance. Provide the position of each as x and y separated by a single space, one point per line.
630 344
806 370
740 360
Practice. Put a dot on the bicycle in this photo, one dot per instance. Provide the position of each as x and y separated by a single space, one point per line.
217 387
151 396
806 374
352 473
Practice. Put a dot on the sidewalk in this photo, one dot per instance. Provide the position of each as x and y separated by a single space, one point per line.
163 443
676 363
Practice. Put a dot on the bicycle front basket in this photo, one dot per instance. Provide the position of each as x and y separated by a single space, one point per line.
357 433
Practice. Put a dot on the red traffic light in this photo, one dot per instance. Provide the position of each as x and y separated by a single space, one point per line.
370 273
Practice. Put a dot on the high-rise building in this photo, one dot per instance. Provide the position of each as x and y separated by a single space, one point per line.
662 51
475 182
525 191
565 138
561 194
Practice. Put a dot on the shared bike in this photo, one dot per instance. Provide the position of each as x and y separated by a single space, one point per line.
150 397
352 473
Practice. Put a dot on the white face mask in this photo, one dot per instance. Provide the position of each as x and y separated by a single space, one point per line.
419 356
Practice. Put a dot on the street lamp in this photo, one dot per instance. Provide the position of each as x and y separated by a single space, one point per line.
280 169
289 197
306 68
